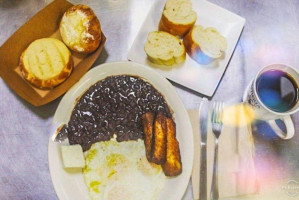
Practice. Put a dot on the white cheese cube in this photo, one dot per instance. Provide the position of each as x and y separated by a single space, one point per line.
72 156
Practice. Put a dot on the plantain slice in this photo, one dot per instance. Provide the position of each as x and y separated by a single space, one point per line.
148 127
159 140
173 164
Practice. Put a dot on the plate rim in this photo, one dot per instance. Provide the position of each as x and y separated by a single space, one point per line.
57 189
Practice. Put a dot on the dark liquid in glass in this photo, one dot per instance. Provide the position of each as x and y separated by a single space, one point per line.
277 90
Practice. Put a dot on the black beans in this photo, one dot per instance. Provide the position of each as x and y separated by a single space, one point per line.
113 106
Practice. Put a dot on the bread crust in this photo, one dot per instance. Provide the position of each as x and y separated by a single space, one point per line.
173 28
190 45
46 83
93 28
177 26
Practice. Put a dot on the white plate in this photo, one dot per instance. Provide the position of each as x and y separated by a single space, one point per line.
200 78
69 185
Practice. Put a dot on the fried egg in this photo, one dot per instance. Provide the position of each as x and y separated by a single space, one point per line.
119 170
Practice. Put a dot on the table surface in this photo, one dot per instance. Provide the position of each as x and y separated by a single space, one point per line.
270 36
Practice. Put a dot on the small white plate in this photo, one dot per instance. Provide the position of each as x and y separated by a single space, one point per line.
200 78
69 185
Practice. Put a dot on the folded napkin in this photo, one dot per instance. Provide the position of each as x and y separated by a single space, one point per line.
236 171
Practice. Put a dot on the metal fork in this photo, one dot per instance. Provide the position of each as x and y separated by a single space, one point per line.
217 115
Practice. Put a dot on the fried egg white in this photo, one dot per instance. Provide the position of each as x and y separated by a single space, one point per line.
119 170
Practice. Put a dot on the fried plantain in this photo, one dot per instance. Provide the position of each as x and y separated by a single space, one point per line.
159 140
148 123
173 164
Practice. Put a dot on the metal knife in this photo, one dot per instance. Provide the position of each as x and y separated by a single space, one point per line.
203 121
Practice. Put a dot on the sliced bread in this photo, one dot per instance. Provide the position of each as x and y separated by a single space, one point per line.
178 17
163 48
207 41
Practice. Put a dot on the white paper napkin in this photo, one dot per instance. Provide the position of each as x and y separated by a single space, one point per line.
236 171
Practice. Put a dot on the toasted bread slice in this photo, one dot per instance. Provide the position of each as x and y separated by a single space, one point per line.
148 128
178 17
46 62
173 164
164 49
159 140
207 41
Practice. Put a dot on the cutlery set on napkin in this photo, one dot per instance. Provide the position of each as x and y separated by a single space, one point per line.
234 169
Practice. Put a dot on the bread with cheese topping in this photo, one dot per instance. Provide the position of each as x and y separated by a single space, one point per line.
46 62
80 29
177 17
163 48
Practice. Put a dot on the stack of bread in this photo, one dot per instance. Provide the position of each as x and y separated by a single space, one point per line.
47 62
164 47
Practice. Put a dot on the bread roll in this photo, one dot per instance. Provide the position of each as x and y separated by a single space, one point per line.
80 29
178 17
163 48
46 62
204 44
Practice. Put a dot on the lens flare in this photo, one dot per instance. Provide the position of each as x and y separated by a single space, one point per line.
238 115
